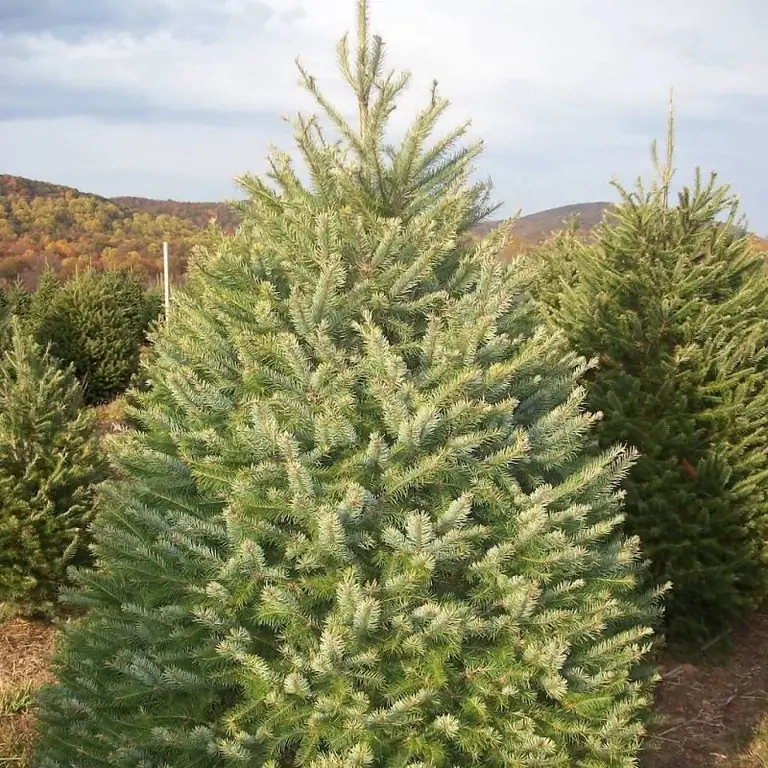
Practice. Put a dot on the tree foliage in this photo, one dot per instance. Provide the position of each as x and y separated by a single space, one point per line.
359 525
50 463
674 301
96 322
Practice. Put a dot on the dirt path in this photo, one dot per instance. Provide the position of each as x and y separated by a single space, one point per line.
25 648
712 712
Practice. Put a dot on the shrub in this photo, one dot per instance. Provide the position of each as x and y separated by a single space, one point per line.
97 322
360 526
674 301
50 462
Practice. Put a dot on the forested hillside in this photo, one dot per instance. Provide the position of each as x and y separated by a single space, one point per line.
198 214
70 229
42 222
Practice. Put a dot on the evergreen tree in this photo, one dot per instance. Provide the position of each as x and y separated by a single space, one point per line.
50 461
358 525
96 322
153 312
553 273
674 301
18 299
41 303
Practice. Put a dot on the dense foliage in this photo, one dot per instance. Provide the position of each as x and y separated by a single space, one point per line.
97 322
674 301
360 526
50 461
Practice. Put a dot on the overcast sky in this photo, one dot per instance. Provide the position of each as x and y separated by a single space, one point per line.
173 98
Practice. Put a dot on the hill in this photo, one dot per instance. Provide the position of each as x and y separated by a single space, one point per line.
536 226
42 222
70 229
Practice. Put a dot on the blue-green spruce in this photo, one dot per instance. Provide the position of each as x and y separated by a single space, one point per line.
359 526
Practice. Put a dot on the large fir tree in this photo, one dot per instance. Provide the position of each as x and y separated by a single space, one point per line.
673 299
358 526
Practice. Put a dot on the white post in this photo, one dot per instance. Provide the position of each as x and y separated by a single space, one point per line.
166 281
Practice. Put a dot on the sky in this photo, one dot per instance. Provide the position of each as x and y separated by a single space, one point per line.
175 98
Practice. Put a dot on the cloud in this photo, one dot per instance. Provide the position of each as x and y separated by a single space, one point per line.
75 21
83 20
565 92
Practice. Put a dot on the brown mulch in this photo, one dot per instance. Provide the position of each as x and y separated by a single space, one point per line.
25 647
710 711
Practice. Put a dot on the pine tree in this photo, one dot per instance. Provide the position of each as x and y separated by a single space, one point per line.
18 299
96 323
35 317
50 461
358 525
673 299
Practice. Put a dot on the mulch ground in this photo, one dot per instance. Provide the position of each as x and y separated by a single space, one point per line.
710 712
25 647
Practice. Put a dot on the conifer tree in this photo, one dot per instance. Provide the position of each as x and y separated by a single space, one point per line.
18 299
96 323
358 526
50 462
41 302
673 299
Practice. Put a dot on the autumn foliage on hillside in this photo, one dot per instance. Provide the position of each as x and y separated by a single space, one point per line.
198 214
70 230
41 222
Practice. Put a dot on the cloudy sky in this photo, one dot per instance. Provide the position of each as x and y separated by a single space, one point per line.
173 98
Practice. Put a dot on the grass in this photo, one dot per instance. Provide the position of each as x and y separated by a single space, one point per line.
714 716
756 752
111 415
25 647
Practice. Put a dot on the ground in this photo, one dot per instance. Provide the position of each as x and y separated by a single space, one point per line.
24 650
714 716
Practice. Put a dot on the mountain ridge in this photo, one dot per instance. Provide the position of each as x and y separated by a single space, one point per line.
45 222
535 226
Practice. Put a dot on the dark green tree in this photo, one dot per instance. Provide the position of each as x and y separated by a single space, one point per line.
97 322
35 315
50 463
673 299
359 526
18 299
154 310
